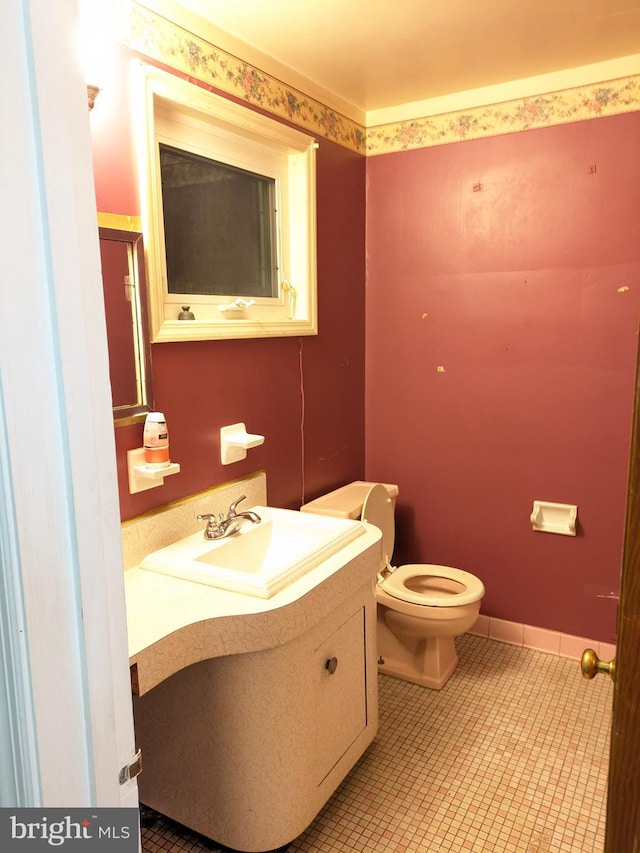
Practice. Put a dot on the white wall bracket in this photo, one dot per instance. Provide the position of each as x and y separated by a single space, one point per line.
554 518
141 477
235 441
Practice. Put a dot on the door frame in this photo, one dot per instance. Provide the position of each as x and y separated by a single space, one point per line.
623 797
62 547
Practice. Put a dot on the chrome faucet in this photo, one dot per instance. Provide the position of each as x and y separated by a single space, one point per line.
218 527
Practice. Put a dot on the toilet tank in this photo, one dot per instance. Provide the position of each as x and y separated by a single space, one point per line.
347 501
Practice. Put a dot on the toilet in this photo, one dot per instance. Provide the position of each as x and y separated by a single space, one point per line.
421 607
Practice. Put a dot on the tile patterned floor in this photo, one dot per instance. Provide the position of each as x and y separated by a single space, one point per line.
510 757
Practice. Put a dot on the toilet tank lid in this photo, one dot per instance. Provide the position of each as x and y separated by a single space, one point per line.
346 502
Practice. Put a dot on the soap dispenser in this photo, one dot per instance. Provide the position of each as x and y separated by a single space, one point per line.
156 441
147 466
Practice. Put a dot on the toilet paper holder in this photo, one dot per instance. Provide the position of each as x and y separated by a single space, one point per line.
550 517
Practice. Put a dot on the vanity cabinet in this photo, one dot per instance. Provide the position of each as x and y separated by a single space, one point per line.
247 748
339 671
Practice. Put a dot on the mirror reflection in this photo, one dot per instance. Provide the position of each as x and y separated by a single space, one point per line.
123 278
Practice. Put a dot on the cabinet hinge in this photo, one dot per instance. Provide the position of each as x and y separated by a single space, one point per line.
130 771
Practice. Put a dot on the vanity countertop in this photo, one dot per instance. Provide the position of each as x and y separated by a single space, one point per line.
173 623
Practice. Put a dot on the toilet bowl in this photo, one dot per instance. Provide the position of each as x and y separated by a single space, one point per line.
422 607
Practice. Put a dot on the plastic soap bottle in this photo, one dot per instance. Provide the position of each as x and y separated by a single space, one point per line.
156 441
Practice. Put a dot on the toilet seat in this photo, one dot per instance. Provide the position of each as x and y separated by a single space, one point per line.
395 585
378 510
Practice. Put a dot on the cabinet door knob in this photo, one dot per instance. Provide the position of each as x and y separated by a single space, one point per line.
331 665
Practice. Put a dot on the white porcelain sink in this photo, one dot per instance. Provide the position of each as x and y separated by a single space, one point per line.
260 559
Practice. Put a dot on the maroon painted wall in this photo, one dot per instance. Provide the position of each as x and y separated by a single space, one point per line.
305 395
500 355
501 346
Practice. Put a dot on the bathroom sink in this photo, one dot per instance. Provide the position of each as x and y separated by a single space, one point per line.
260 559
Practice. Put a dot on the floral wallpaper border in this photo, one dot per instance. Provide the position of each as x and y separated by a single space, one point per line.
163 41
585 102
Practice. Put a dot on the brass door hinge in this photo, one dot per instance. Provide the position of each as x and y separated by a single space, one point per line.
130 771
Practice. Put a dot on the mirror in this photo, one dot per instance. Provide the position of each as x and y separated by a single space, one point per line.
125 301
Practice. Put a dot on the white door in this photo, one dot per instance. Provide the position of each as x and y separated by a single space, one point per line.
64 629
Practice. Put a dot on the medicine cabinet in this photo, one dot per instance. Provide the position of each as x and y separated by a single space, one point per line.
125 301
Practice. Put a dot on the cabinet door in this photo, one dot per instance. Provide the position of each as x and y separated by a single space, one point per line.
340 691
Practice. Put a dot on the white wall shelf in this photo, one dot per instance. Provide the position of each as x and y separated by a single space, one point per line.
141 476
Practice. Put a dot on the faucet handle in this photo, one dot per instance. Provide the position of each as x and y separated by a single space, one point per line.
213 525
211 518
232 508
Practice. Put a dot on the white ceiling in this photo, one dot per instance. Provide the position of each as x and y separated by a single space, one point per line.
375 54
